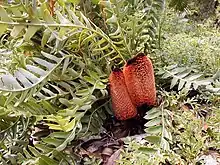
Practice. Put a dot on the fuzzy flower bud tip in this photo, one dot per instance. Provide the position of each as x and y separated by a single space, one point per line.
140 81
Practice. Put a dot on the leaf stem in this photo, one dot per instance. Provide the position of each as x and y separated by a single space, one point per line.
97 31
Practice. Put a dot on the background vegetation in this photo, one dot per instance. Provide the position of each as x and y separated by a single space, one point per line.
55 62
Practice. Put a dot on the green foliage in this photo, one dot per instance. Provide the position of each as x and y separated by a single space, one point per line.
157 127
213 127
55 69
14 137
188 43
179 4
189 55
188 78
197 9
54 73
190 141
190 122
189 133
152 147
135 153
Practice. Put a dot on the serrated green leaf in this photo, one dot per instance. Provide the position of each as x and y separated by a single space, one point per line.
45 38
193 77
166 75
24 80
195 86
154 129
177 70
52 141
70 125
43 148
153 139
26 153
36 70
155 109
216 75
152 115
68 112
15 149
88 24
78 101
100 85
86 107
151 33
67 140
55 127
102 115
167 134
62 19
31 30
82 92
171 67
3 17
34 151
65 102
60 135
10 82
181 84
173 82
51 57
17 30
203 82
187 86
20 157
65 65
183 74
48 18
164 144
44 63
153 122
74 17
74 73
89 80
48 160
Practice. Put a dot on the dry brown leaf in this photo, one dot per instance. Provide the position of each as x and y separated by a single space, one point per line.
113 159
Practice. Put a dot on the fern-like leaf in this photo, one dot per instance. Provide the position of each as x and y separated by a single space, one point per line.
187 78
156 127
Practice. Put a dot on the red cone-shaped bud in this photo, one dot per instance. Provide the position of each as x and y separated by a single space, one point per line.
140 81
121 103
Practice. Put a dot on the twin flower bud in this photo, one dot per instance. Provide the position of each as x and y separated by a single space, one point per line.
132 87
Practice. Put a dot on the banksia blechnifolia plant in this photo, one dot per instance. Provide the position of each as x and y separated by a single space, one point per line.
140 81
121 102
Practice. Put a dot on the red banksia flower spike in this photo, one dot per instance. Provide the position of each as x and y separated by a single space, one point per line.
140 81
121 103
